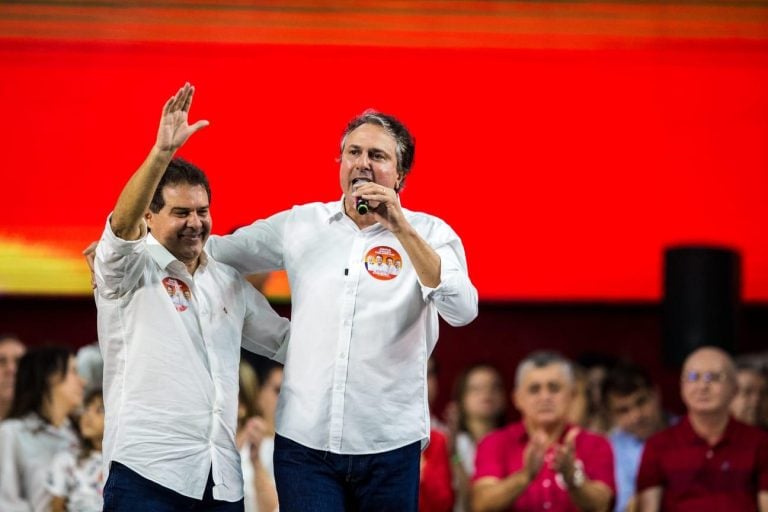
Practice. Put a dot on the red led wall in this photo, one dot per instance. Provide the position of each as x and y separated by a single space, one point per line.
566 168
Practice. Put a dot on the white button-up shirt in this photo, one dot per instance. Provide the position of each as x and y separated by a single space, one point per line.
27 446
355 376
171 345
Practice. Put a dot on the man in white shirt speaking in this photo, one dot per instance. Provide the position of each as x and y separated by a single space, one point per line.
353 415
171 366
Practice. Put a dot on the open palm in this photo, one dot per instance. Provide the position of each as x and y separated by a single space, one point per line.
174 127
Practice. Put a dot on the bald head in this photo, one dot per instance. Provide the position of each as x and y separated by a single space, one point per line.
708 382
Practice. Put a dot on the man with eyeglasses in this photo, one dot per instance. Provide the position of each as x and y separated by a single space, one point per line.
708 461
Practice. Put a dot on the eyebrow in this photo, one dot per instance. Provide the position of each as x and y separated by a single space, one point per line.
357 146
183 209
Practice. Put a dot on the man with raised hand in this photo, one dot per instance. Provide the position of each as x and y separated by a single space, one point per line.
171 366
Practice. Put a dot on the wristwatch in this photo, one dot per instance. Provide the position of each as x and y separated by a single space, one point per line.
578 478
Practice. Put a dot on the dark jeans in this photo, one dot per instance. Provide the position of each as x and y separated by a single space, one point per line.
319 481
127 491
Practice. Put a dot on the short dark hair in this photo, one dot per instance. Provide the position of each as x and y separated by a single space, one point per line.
33 378
625 378
178 171
405 145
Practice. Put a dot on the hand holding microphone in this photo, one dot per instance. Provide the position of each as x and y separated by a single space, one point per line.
361 205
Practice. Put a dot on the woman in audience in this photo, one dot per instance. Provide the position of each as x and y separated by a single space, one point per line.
76 481
48 389
255 439
481 406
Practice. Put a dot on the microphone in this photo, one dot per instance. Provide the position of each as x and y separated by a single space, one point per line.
361 205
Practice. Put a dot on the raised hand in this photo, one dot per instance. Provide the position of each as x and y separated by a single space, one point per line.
565 456
385 205
533 456
174 128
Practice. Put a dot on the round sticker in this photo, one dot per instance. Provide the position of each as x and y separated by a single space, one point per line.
383 263
179 292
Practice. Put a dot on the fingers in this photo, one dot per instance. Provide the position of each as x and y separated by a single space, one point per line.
199 125
181 101
570 437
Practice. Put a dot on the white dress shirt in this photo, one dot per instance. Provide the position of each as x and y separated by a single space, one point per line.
171 363
355 376
27 446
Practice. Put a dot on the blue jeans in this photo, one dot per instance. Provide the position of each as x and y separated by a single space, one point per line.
127 491
320 481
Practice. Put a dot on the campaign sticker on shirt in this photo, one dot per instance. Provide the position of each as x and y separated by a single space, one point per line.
179 292
383 263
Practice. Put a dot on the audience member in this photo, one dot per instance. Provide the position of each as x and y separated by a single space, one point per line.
48 390
76 480
635 411
90 366
543 463
751 388
595 366
11 350
480 407
433 389
436 480
708 461
255 452
435 483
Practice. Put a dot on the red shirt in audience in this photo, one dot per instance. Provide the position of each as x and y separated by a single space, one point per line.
697 476
501 453
435 486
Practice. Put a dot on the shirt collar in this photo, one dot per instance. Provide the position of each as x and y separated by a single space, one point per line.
690 435
35 423
164 258
337 213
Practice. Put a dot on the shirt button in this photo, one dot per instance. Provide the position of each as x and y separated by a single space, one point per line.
342 355
709 454
547 505
546 483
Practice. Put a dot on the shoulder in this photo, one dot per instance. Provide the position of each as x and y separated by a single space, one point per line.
664 439
505 436
748 434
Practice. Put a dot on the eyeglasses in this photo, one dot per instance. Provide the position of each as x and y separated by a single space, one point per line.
707 377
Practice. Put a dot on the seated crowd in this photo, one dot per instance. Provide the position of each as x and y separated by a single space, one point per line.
585 439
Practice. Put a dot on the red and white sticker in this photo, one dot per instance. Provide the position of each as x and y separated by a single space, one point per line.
179 293
383 263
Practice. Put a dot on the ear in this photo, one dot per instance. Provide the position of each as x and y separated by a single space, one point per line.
148 215
400 178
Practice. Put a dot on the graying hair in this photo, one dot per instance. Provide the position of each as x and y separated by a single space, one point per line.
405 146
540 359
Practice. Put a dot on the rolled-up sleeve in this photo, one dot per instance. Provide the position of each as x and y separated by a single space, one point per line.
119 264
455 297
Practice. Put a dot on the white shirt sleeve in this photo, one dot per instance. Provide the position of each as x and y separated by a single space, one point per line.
264 331
119 263
455 297
254 248
12 497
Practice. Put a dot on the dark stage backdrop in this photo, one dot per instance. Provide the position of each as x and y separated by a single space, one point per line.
502 334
